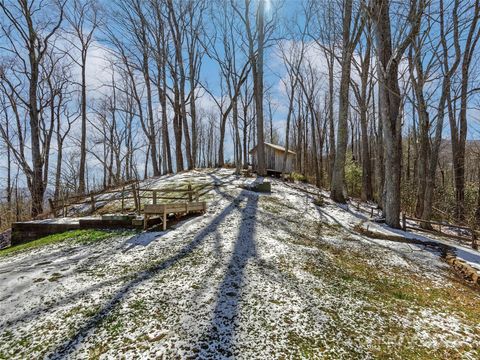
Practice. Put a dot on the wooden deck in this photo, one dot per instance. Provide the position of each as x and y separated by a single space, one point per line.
186 203
177 208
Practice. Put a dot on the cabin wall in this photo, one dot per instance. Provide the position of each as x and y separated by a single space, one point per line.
278 166
274 160
277 161
270 157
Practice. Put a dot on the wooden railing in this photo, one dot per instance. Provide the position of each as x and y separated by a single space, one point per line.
67 200
474 234
131 192
371 210
435 226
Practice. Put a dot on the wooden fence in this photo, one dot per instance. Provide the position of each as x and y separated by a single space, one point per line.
433 227
130 192
429 226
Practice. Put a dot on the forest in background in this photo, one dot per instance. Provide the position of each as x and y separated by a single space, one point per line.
378 98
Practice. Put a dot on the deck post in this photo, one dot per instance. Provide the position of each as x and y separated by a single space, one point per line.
154 197
404 221
474 240
164 218
135 199
93 203
52 207
123 200
138 200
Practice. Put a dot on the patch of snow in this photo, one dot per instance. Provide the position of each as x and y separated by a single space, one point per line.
248 279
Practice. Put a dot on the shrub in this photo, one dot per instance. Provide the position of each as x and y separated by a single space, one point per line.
319 201
353 176
298 177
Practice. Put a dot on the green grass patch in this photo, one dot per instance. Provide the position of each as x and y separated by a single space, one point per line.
388 292
396 290
55 277
86 311
73 237
274 205
138 305
304 347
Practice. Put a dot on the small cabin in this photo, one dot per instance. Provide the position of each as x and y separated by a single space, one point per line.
274 155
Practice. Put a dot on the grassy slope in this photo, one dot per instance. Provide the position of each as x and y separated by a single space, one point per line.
392 298
391 293
74 236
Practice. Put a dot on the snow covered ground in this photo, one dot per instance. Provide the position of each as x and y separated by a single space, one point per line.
257 277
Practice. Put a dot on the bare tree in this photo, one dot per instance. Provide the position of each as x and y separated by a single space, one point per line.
352 30
325 31
132 44
256 36
225 48
178 71
29 29
160 48
5 113
292 57
363 93
62 117
82 16
389 56
309 80
458 123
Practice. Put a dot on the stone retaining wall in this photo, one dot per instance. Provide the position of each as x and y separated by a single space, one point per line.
23 232
5 238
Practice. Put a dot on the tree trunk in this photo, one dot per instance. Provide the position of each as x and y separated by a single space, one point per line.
37 187
223 125
151 125
314 148
167 154
367 191
389 93
258 90
83 139
238 145
291 96
379 158
193 116
459 135
331 128
9 167
337 187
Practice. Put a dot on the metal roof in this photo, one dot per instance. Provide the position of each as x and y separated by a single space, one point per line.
276 147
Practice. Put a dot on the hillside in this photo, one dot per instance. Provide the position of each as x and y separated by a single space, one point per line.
258 276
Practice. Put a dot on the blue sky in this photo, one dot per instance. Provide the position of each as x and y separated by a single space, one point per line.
290 11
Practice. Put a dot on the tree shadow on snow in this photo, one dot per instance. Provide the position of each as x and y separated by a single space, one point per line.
143 239
219 339
238 263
